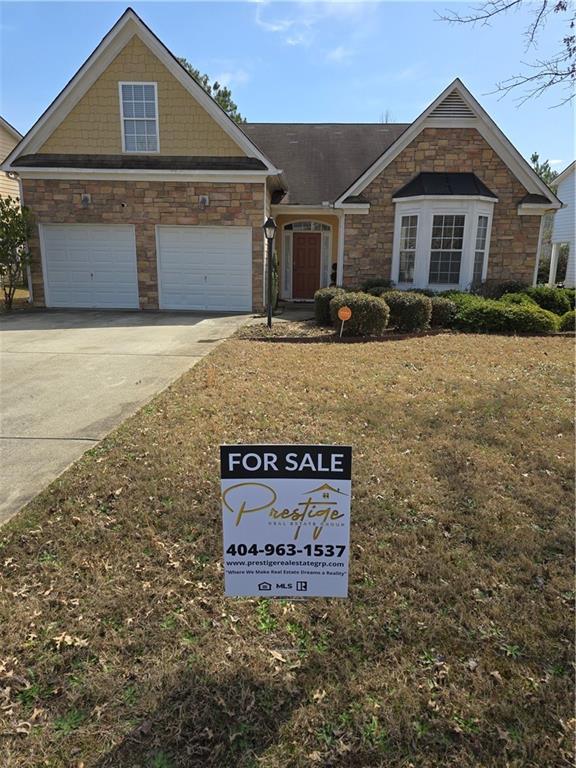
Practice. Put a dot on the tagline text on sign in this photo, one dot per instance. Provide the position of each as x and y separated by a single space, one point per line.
286 519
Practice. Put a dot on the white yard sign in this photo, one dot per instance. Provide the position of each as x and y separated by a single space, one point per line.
286 520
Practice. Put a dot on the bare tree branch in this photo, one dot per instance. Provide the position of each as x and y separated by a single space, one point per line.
557 71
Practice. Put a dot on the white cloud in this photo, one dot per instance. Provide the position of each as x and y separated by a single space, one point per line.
299 26
233 77
556 162
339 54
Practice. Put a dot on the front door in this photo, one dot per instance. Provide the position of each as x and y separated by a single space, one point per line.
306 256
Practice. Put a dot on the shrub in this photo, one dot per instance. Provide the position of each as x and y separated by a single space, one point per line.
518 298
571 296
480 315
408 311
495 289
423 291
369 314
568 321
322 299
376 282
443 312
553 299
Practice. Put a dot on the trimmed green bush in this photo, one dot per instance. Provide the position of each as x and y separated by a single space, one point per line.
571 296
518 298
495 289
486 315
568 321
376 282
443 312
322 299
369 314
553 299
408 311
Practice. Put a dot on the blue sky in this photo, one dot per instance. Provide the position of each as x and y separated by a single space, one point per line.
300 62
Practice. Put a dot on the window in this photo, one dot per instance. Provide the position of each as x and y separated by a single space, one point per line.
480 249
307 226
446 249
139 117
408 230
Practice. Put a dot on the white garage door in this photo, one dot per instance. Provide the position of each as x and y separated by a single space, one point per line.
89 266
205 268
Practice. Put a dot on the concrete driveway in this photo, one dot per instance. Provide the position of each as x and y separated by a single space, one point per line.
69 378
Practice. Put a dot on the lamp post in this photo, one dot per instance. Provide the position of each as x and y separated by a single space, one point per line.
269 232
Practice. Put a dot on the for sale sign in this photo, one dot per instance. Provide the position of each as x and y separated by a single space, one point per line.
286 520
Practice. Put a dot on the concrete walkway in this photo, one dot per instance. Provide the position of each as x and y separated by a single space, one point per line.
69 378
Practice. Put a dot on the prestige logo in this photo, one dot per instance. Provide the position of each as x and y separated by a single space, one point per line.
318 507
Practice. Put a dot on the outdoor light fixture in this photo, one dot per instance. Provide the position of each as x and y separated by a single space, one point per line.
269 228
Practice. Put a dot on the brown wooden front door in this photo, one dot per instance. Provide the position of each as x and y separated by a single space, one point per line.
306 250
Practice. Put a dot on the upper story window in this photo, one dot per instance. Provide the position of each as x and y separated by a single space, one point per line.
139 110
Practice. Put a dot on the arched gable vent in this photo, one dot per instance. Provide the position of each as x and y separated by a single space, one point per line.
452 106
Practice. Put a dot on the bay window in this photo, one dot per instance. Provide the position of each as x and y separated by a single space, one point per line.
441 244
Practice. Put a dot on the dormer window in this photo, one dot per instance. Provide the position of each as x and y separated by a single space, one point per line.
139 110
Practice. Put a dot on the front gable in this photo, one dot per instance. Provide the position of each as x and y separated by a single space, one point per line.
84 119
93 126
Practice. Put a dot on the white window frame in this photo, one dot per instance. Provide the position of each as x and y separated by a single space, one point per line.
324 231
470 208
122 118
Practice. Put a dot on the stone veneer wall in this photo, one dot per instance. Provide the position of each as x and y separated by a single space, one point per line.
145 204
368 239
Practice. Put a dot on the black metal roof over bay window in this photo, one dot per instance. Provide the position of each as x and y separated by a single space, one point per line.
445 184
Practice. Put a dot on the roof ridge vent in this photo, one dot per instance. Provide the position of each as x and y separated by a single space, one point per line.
453 106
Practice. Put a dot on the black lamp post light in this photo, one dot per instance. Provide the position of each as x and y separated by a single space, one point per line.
269 232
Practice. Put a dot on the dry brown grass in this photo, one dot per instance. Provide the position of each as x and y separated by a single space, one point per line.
455 646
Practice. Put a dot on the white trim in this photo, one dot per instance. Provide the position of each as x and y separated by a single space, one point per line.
425 211
564 175
485 126
137 174
122 119
459 198
552 272
340 259
43 264
10 129
128 25
538 252
534 209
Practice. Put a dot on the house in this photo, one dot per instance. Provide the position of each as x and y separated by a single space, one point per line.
147 195
564 231
9 137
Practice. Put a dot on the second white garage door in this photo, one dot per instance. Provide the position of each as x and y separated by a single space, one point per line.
205 268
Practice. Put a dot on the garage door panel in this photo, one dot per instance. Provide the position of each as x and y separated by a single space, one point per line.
90 266
205 268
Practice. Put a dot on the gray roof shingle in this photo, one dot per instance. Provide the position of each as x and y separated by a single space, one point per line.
321 160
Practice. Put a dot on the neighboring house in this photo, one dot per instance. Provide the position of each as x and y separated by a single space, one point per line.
564 232
146 195
9 137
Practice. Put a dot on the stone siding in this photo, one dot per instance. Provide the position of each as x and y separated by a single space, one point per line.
146 204
368 239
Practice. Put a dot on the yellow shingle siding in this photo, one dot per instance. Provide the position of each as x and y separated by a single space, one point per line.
7 144
93 126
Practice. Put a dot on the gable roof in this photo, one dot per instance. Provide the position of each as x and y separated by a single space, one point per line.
319 160
10 128
565 173
128 25
455 184
456 107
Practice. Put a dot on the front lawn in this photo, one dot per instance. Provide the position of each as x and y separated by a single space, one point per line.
454 648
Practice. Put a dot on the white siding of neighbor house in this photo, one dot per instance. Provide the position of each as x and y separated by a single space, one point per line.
7 144
565 224
565 218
